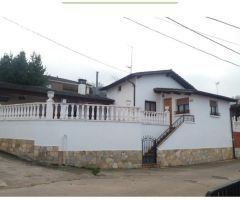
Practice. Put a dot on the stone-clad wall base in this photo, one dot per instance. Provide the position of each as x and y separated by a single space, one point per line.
21 148
103 159
192 156
51 155
237 152
110 159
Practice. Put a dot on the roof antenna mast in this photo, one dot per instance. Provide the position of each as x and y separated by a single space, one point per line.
131 61
217 83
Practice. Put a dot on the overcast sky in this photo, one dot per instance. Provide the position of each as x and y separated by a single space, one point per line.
101 32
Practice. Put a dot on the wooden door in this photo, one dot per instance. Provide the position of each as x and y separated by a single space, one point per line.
168 103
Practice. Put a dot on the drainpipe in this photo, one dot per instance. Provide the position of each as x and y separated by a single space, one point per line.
234 156
134 92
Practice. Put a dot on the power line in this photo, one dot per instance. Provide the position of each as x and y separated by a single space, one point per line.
219 38
217 20
218 43
179 41
62 45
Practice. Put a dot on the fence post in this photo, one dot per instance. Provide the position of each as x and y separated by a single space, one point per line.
49 109
167 116
63 109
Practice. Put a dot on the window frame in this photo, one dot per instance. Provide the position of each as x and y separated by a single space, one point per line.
151 103
185 106
214 110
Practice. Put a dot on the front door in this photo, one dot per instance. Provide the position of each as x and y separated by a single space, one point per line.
168 104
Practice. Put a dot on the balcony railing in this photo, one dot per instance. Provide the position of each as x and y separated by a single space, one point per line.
84 112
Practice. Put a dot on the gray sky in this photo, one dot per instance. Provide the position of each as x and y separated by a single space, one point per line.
100 31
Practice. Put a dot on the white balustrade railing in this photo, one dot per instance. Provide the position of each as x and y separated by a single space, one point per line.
236 124
23 111
85 112
156 117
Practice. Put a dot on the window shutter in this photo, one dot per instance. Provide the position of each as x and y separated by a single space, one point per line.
213 103
183 101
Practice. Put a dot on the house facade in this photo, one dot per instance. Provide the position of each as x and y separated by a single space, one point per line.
209 136
151 118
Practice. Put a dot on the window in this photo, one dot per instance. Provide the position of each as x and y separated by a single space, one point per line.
119 88
150 106
21 98
182 105
214 108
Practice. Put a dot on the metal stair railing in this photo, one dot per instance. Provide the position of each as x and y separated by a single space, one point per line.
177 123
173 127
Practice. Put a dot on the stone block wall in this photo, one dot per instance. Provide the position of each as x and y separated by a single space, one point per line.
20 148
51 155
110 159
104 159
179 157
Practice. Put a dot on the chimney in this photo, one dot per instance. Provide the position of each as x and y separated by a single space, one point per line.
82 83
97 73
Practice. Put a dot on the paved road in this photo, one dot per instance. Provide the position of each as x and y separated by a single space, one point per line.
20 178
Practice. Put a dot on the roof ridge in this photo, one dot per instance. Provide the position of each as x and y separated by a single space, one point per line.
177 78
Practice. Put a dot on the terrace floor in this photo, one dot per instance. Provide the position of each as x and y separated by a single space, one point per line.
20 178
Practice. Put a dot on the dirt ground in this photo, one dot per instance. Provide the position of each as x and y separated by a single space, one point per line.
20 178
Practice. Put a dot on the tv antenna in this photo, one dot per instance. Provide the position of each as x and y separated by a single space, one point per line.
131 60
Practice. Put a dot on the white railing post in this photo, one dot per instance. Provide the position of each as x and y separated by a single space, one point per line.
49 109
63 109
167 117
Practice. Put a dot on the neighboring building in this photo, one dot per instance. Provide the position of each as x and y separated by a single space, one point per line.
62 84
72 91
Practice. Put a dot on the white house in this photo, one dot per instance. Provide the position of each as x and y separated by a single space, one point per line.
157 118
207 136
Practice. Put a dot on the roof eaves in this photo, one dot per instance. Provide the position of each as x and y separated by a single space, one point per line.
215 96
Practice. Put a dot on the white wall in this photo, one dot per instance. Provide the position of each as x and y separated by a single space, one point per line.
123 97
144 90
81 136
146 84
207 131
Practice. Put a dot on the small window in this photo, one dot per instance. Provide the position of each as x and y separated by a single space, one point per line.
21 98
150 106
214 108
182 106
119 88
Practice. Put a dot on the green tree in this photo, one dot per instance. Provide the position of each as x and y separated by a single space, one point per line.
22 71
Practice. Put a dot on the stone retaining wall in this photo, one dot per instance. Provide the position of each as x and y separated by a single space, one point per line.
110 159
192 156
51 155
